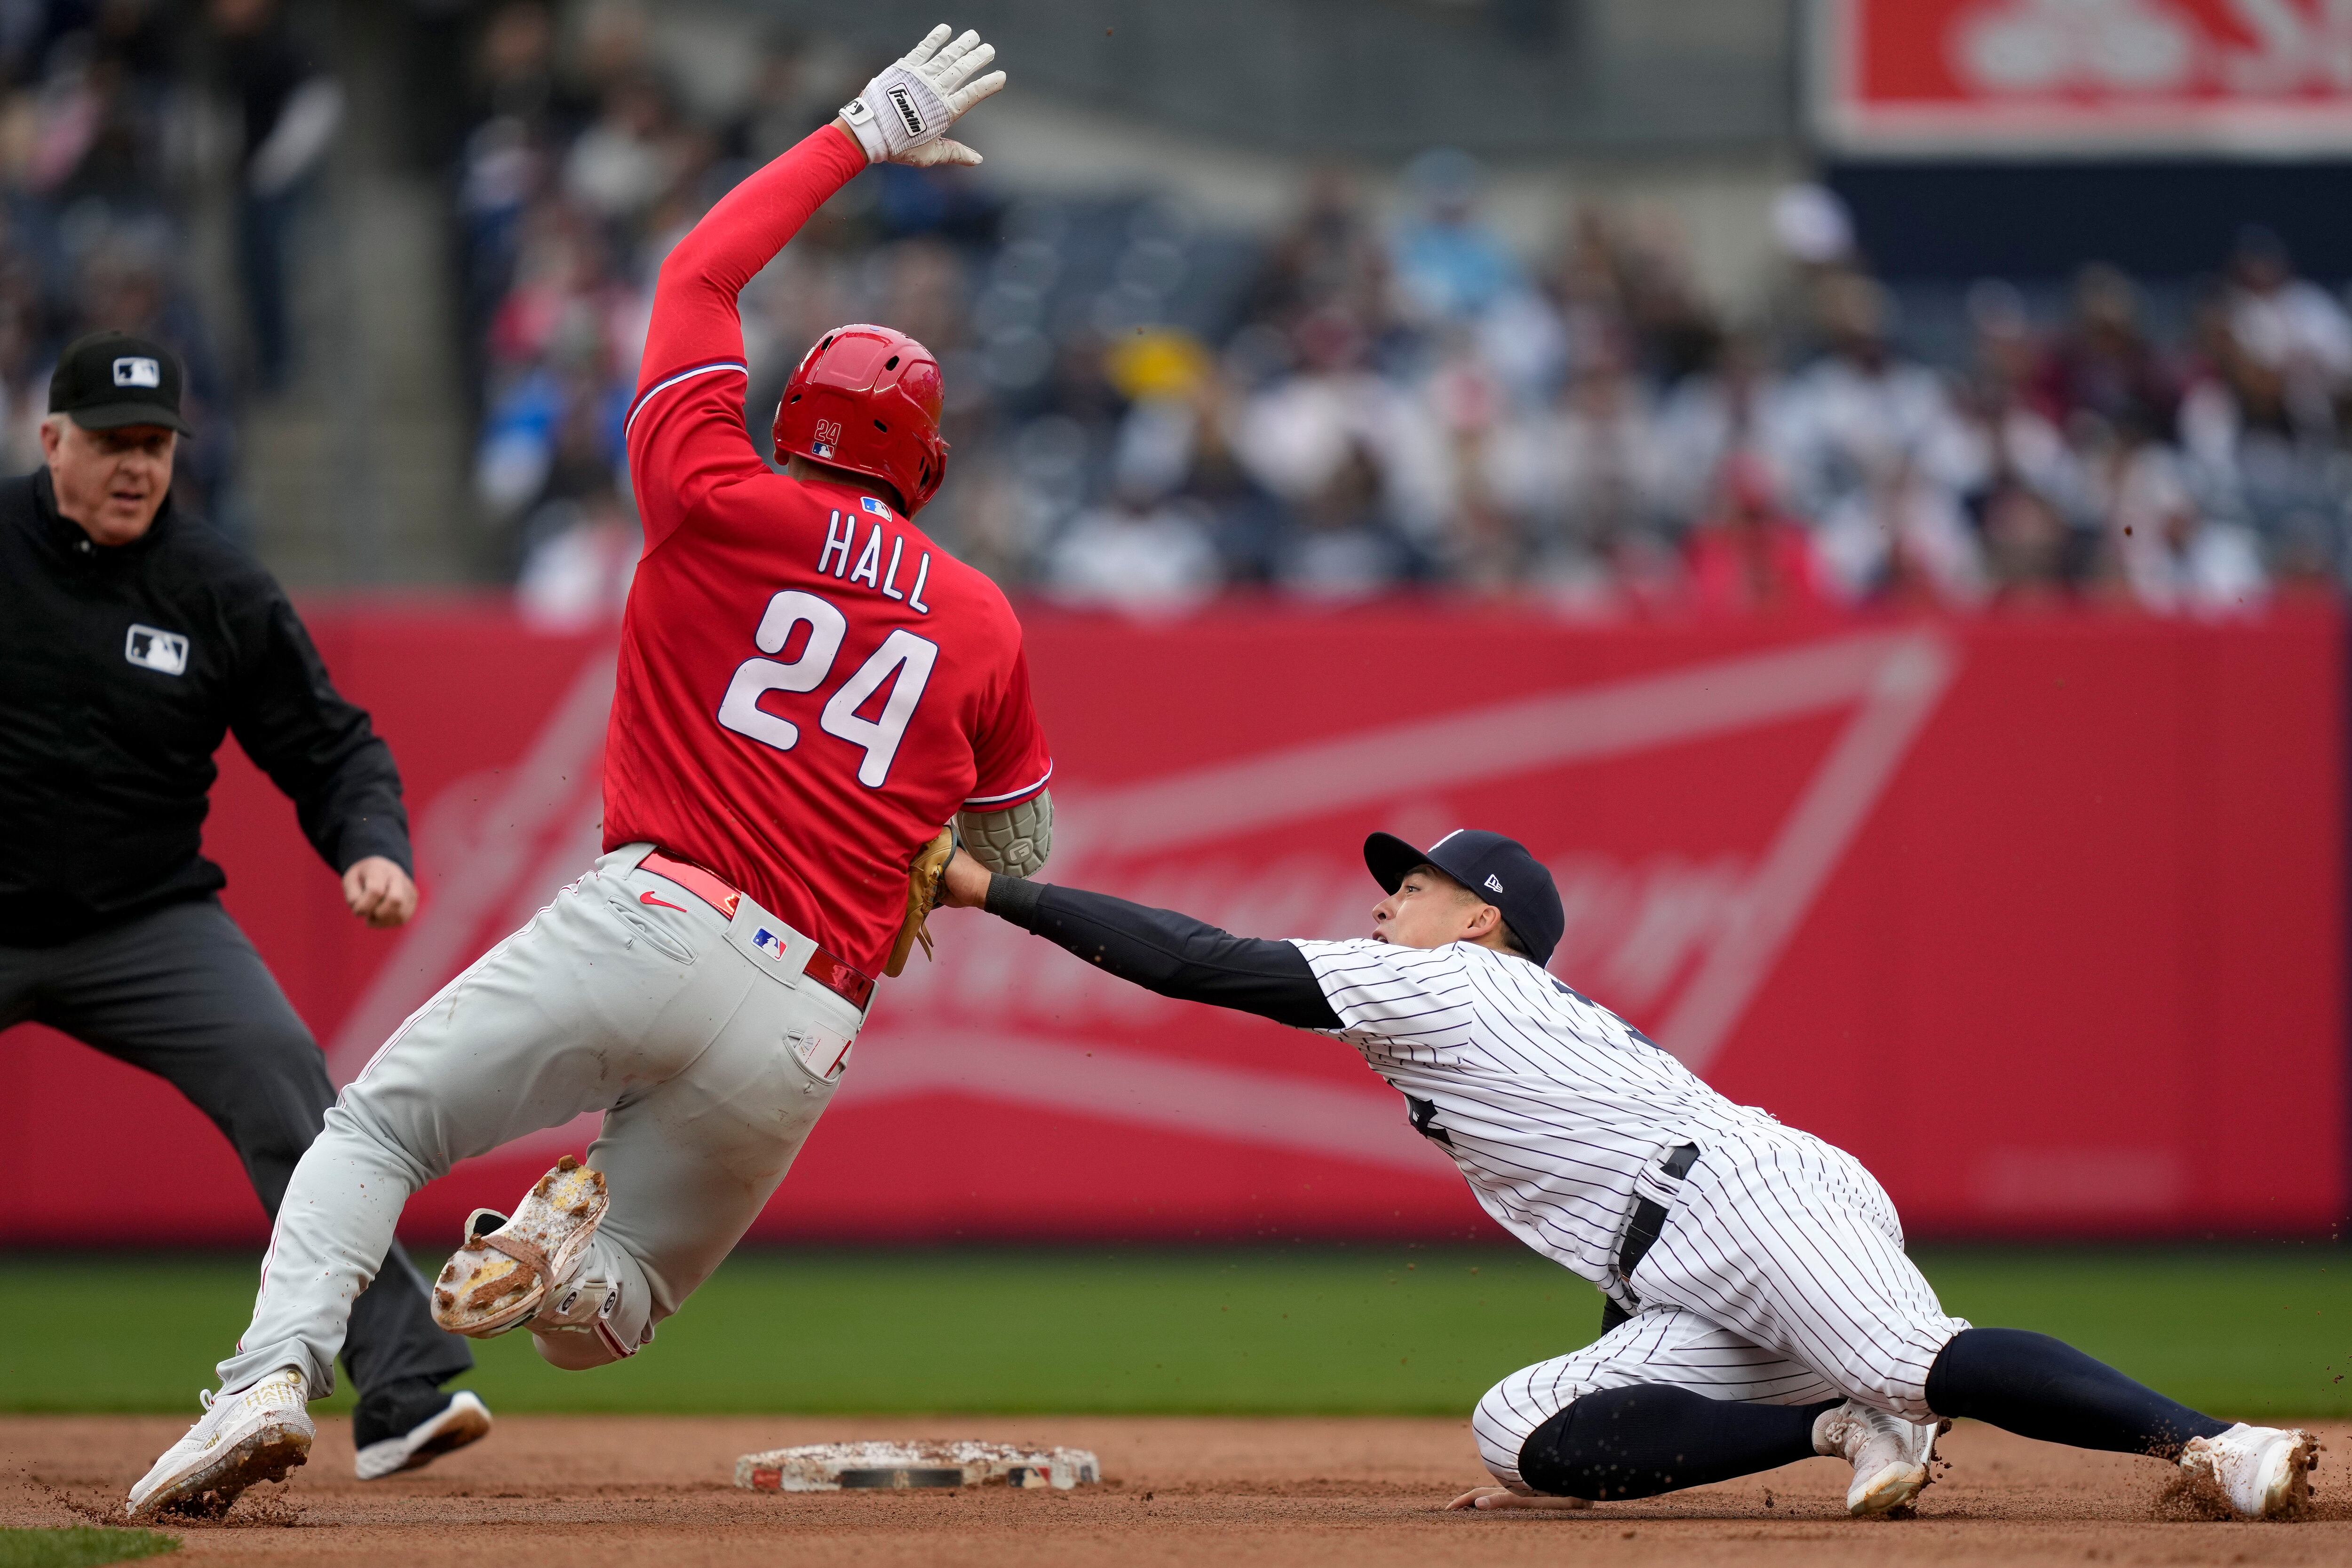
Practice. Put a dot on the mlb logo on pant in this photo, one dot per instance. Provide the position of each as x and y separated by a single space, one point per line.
153 649
768 942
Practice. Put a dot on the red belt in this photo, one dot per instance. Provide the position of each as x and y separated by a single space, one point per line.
826 970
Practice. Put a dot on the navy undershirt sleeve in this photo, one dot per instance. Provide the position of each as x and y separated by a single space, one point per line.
1169 953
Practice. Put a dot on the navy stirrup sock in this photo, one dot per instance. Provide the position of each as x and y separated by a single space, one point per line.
1652 1438
2042 1387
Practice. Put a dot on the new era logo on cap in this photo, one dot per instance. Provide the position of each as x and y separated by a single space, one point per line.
138 371
1474 858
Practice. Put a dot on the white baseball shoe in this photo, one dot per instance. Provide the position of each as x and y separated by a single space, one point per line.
1889 1455
463 1419
2264 1471
257 1434
500 1277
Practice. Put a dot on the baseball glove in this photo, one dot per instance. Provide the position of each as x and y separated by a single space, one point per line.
922 897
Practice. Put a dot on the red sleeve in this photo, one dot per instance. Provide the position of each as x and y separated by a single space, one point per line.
685 433
1014 763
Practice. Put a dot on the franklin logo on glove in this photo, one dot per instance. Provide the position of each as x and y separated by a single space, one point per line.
908 115
900 116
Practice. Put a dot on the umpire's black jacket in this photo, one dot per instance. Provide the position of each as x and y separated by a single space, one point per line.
121 669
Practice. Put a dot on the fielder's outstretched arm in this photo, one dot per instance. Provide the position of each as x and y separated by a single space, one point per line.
1158 949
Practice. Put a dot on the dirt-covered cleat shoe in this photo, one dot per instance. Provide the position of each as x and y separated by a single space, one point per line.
1889 1455
498 1279
461 1418
2264 1471
257 1434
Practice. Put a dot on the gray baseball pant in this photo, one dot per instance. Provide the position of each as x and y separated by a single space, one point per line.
181 993
708 1051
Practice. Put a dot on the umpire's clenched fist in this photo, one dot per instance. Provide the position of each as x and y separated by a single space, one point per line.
379 891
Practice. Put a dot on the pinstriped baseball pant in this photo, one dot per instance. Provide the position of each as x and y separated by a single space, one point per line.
1779 1278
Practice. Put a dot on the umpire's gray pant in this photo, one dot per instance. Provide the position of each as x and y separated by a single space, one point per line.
707 1051
181 993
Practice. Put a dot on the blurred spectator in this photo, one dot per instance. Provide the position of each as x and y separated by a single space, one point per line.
288 110
2289 327
2026 547
1345 548
2172 558
1137 552
2102 364
101 103
1582 472
1450 266
1748 556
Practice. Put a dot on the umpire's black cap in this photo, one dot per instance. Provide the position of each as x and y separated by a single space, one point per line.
1497 868
109 380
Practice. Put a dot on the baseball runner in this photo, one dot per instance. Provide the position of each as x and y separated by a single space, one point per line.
133 639
808 689
1760 1307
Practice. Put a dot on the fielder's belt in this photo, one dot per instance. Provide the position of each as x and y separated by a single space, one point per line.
826 970
1642 1234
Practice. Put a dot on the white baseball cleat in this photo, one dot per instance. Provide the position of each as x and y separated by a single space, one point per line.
500 1277
1889 1455
2264 1471
464 1419
257 1434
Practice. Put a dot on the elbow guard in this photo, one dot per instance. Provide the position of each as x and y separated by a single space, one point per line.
1013 842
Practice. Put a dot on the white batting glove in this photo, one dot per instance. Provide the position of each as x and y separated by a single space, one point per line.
903 115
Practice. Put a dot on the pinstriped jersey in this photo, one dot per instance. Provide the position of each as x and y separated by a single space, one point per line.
1553 1107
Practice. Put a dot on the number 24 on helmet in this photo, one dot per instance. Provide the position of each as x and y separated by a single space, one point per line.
867 399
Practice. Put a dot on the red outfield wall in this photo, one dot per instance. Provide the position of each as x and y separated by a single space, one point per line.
2041 917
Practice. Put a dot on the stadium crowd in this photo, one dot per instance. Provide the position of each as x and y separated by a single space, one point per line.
1144 414
117 119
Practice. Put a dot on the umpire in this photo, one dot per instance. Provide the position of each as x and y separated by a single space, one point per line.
131 639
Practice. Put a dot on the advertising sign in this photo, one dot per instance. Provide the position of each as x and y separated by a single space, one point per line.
2040 77
2040 916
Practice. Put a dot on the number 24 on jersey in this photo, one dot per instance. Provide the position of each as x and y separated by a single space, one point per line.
903 661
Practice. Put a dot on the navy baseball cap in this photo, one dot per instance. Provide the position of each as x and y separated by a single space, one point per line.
109 380
1497 868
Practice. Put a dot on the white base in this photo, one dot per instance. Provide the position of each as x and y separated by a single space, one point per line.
817 1466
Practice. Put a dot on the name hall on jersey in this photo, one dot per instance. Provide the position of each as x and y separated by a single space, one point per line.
841 539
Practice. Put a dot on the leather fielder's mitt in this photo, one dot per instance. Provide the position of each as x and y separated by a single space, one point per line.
922 897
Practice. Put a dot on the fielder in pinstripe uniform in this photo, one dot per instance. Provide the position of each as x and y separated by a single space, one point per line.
1760 1306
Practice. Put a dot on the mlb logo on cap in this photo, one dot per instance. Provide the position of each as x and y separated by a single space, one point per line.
111 380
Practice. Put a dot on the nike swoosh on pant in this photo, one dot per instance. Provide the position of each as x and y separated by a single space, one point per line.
663 903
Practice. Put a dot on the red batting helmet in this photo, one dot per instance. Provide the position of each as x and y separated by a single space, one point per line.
867 399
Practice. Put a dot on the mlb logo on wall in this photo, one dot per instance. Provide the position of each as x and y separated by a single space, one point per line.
153 649
138 371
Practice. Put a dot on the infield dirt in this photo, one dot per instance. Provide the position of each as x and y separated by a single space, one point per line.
656 1490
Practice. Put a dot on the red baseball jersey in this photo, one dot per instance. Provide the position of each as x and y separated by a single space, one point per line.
810 688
